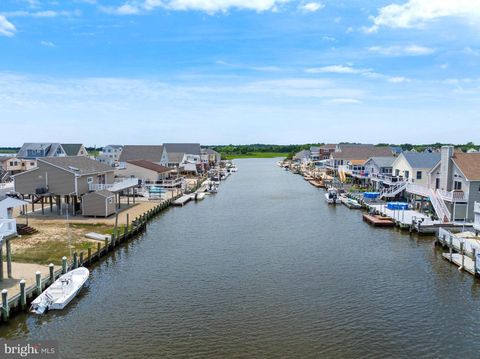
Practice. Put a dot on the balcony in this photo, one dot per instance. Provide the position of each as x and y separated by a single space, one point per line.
114 187
387 178
453 196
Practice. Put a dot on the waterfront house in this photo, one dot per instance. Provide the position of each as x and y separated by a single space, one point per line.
110 155
8 224
178 154
145 171
314 153
150 153
13 165
326 150
348 152
33 151
378 169
98 204
302 156
413 167
74 149
67 177
210 157
456 182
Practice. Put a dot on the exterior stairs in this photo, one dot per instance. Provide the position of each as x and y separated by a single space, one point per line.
24 230
439 206
392 191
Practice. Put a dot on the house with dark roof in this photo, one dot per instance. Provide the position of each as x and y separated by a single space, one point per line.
414 167
150 153
345 153
74 149
178 154
302 156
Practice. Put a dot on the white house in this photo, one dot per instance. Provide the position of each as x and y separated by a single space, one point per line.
413 167
8 224
110 154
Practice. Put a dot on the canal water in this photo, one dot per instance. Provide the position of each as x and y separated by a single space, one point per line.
265 269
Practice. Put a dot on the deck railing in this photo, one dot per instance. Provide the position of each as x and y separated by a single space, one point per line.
452 196
418 189
116 186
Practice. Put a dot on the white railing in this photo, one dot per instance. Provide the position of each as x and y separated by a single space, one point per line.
8 185
418 189
452 196
439 206
386 178
114 187
393 190
7 227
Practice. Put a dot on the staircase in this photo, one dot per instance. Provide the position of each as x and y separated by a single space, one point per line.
439 206
25 230
392 191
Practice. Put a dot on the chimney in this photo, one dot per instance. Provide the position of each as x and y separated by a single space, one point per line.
446 168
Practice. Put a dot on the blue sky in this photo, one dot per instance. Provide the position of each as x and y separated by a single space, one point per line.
239 71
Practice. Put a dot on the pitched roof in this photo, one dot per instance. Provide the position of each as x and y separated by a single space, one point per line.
329 146
71 149
357 162
422 159
114 146
150 166
385 161
188 148
314 149
361 152
469 164
5 158
152 153
77 164
49 148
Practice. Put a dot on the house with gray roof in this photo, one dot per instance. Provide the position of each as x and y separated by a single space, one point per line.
39 150
74 149
150 153
414 167
178 154
210 157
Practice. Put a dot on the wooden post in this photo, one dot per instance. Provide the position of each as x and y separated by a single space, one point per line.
462 253
106 244
80 263
474 252
51 268
1 262
64 265
5 308
75 260
38 281
51 204
23 294
98 249
43 207
33 204
451 249
89 254
9 258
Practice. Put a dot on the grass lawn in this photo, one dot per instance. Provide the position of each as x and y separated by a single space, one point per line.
44 248
257 155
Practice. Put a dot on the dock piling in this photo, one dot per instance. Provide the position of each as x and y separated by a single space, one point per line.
75 260
52 274
64 265
23 294
5 307
38 281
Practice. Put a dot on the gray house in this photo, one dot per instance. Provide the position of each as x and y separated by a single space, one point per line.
181 153
39 150
98 204
150 153
67 177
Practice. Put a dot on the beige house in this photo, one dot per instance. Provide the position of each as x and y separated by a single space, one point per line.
98 204
146 171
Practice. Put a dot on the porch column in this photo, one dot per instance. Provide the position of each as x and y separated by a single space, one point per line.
43 209
9 258
51 204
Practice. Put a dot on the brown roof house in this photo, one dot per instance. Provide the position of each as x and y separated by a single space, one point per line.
146 171
347 153
456 181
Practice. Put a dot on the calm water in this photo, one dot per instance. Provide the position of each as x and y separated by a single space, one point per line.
266 269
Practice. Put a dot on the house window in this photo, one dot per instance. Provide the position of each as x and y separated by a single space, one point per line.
89 179
419 175
437 183
110 200
397 173
406 173
457 186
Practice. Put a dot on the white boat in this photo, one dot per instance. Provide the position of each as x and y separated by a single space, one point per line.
61 292
332 196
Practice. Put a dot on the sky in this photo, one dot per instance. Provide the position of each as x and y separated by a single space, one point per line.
239 71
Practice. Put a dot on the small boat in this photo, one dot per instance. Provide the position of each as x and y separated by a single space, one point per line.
199 196
61 292
332 196
350 203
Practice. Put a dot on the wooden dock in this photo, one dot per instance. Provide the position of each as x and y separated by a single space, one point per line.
378 221
182 201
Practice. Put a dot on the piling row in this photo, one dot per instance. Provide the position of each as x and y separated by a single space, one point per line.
20 301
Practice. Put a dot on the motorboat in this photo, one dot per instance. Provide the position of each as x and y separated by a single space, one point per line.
61 292
332 196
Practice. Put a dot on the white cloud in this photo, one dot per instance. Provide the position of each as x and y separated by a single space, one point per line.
337 69
311 6
6 27
410 50
415 13
209 6
398 79
345 101
43 13
47 43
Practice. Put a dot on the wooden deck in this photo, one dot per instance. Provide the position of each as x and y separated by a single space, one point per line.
378 221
